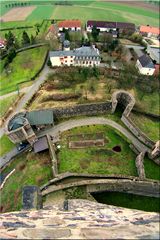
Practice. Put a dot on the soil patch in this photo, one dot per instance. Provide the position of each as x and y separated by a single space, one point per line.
17 14
86 143
116 149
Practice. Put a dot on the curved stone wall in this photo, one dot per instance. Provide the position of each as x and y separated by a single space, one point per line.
144 188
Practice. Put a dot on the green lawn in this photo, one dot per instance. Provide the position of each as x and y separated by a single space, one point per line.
148 126
23 67
5 145
100 160
126 200
152 170
40 13
31 169
6 103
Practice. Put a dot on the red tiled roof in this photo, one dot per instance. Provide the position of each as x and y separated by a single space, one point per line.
149 29
69 23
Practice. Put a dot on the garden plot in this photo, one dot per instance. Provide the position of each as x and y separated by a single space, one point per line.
17 14
86 140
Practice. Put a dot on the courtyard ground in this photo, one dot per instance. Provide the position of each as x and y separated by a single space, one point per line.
102 160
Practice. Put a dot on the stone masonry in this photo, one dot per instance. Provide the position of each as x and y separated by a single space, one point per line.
81 219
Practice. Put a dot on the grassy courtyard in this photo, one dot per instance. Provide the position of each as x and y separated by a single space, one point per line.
24 66
100 160
31 169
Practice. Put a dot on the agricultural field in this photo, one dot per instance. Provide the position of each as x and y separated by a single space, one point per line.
24 66
97 160
17 14
97 10
40 13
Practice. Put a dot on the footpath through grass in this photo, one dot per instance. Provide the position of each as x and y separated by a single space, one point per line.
24 66
100 160
126 200
31 169
5 145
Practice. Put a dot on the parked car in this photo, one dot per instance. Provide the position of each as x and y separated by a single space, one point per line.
21 146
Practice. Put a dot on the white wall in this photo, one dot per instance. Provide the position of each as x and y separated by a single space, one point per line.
143 70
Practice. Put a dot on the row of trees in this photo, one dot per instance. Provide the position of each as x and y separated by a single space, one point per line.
12 44
17 4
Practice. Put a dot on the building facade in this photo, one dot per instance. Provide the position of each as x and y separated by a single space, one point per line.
145 65
72 25
105 26
83 56
150 31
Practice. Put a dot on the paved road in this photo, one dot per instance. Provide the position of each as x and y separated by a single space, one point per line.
34 88
55 131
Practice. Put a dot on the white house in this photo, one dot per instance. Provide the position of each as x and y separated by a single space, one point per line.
145 65
105 26
83 56
72 25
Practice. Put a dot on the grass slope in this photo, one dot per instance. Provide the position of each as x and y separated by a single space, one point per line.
23 67
6 103
31 169
148 126
5 145
106 11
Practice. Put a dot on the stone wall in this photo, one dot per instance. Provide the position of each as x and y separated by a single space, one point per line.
140 165
127 101
136 131
83 109
144 188
80 219
53 157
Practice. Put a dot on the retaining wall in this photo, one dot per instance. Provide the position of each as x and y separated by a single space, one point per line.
53 157
140 165
144 188
83 109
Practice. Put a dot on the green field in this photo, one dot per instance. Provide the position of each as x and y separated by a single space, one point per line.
85 10
100 160
40 13
23 67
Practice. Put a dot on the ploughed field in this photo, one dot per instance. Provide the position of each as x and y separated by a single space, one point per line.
95 149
